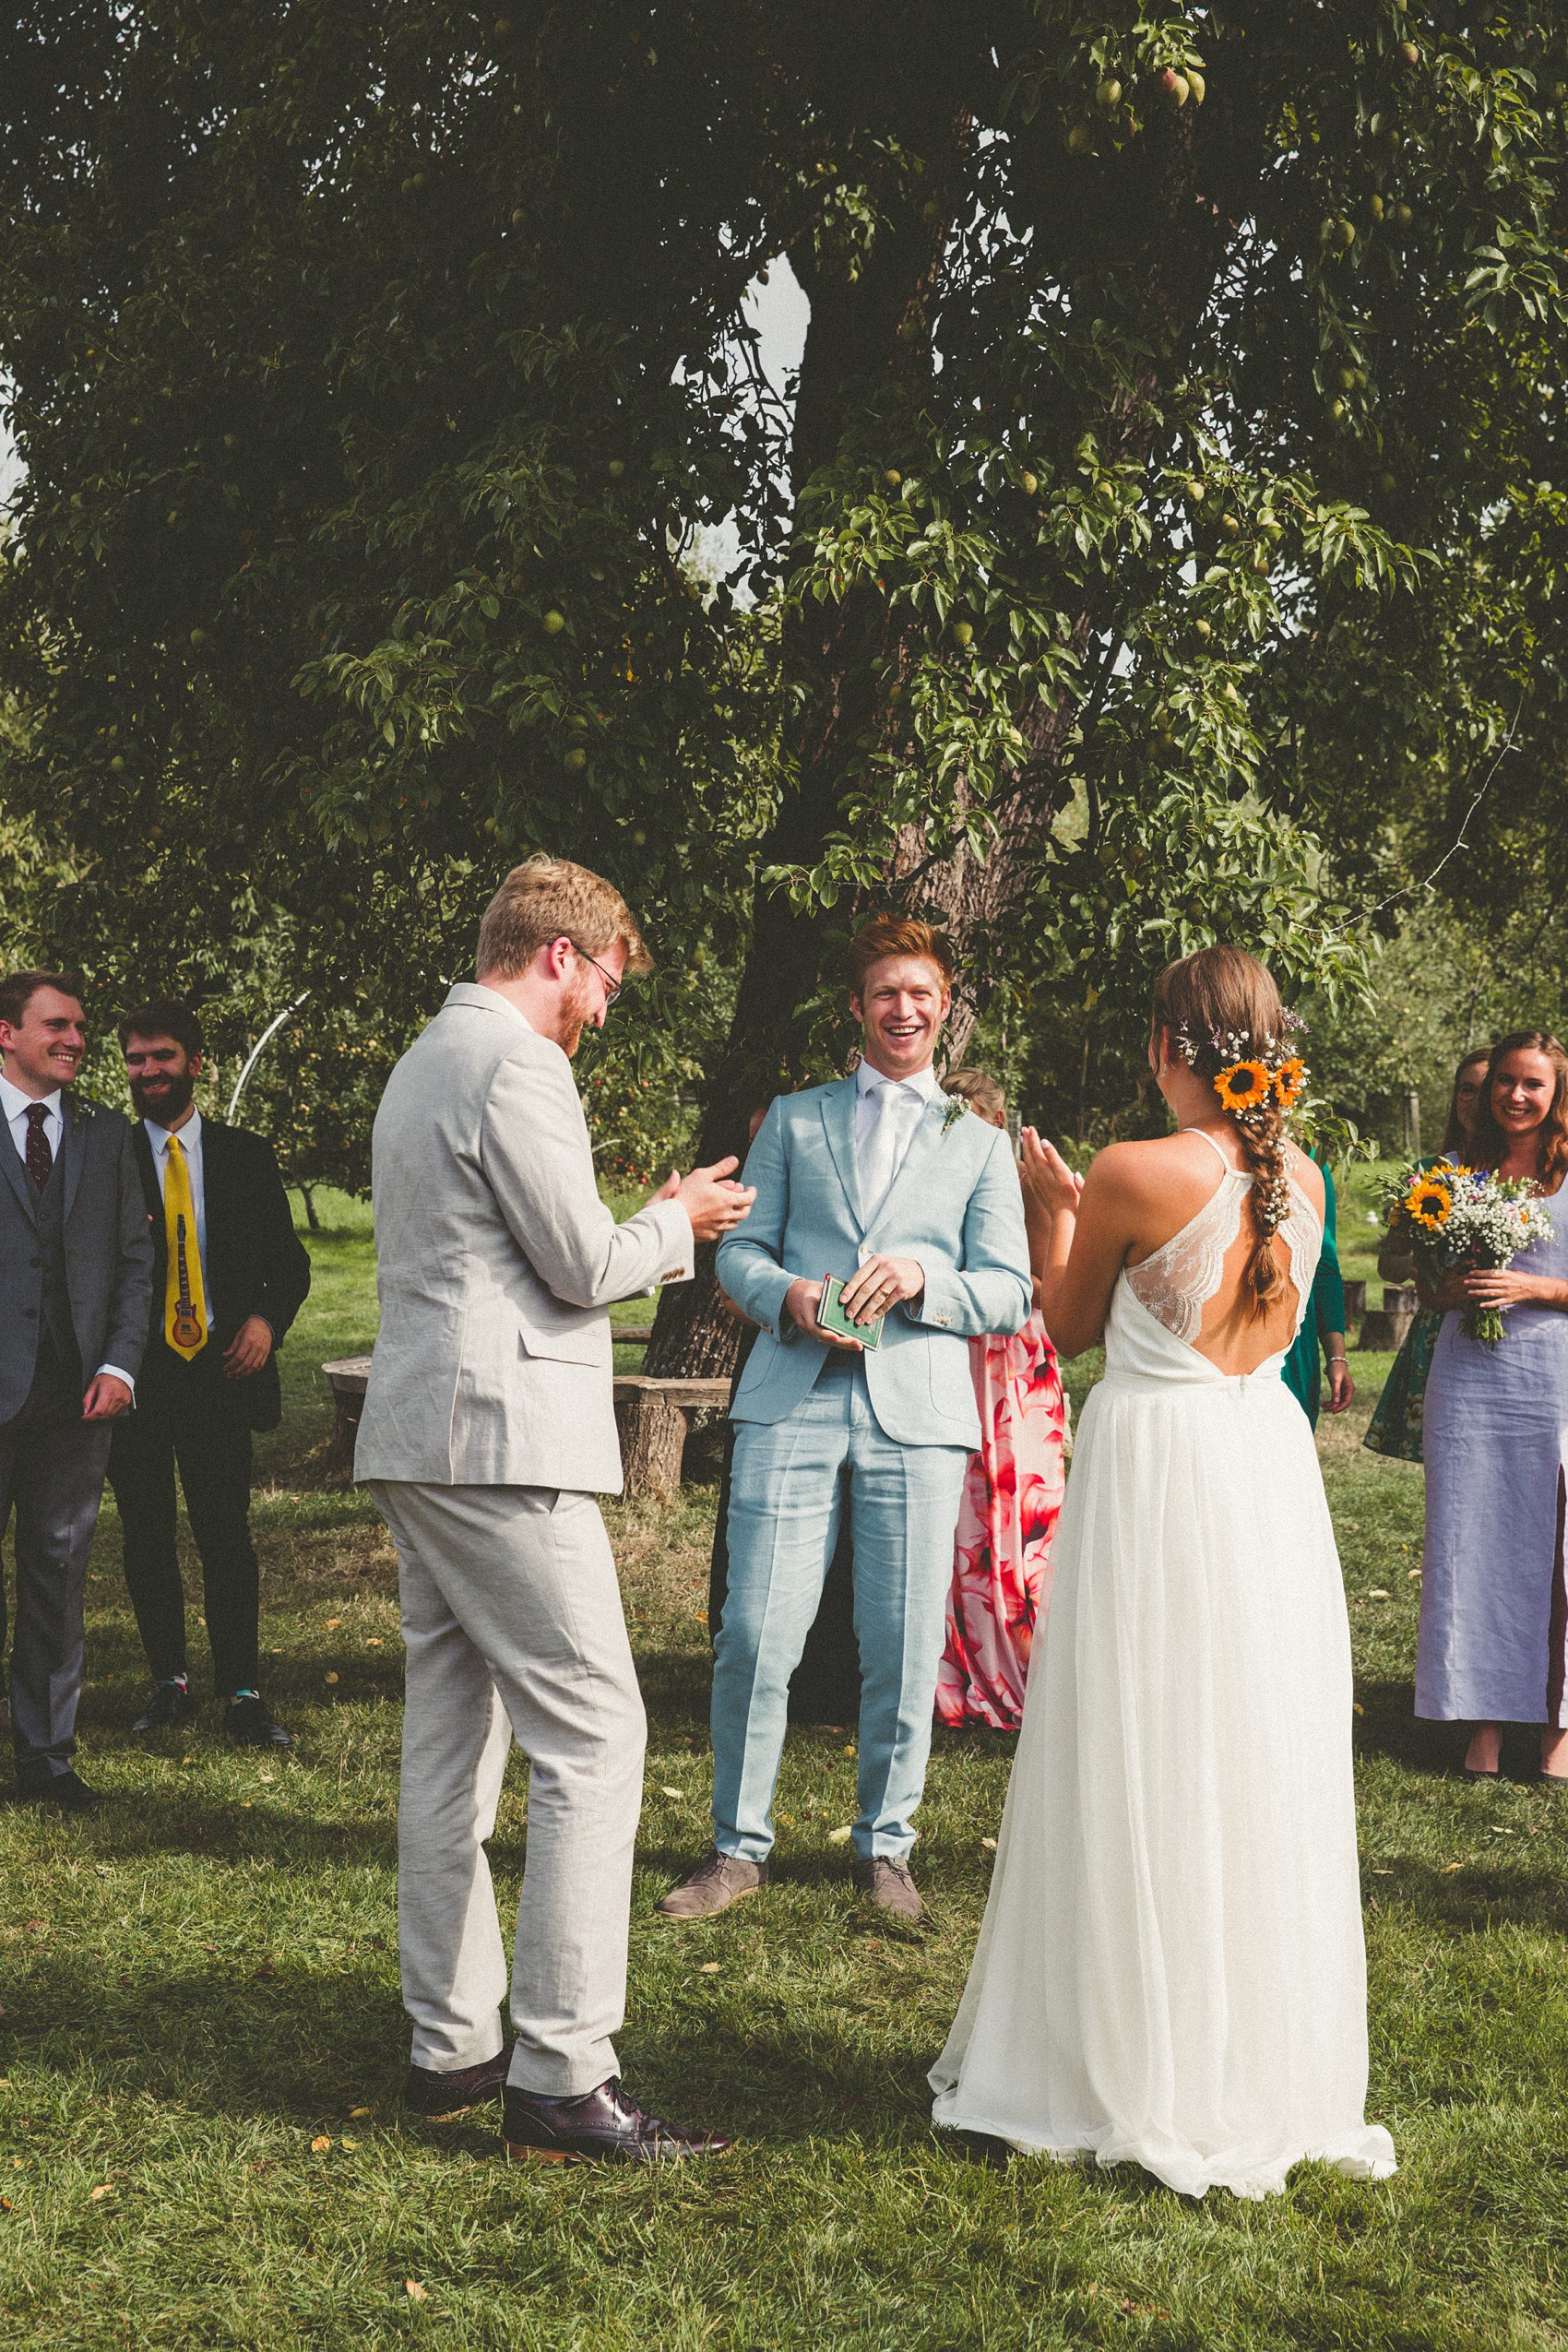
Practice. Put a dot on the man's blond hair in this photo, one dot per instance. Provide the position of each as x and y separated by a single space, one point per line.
546 899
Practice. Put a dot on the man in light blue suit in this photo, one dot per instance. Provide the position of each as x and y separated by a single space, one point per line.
884 1181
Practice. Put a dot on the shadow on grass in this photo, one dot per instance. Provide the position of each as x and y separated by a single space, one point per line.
288 2040
1391 1727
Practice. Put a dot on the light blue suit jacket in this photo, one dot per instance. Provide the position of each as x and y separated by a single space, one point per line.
956 1204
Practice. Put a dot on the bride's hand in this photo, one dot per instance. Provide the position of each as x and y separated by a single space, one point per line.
1050 1185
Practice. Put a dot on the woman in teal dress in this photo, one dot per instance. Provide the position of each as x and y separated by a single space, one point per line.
1323 1324
1395 1426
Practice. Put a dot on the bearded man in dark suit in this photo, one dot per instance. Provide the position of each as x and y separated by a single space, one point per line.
230 1275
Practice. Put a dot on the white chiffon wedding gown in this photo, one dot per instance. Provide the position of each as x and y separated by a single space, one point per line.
1171 1969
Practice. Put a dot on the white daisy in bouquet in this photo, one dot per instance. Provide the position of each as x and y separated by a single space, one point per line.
1469 1217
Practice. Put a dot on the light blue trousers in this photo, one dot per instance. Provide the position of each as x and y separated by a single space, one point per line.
789 1485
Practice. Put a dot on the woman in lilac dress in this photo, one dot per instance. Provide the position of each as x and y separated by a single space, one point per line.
1493 1641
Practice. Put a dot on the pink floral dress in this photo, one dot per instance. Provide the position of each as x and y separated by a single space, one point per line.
1002 1564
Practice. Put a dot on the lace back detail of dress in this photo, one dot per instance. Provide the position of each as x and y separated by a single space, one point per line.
1178 1282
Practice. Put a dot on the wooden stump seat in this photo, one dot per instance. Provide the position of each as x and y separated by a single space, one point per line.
1384 1327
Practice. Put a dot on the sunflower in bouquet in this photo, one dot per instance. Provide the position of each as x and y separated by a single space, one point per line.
1454 1216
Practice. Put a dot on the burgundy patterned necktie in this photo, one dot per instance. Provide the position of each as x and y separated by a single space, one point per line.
40 1159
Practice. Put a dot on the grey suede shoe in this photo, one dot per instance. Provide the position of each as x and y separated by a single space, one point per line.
717 1882
888 1883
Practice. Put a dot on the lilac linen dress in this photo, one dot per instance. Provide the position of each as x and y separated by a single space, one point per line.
1493 1639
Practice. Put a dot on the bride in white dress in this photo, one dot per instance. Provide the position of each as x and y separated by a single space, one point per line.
1171 1968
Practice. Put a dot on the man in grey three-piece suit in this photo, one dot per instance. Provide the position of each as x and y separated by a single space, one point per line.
76 1296
488 1433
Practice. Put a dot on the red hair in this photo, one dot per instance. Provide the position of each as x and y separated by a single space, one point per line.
887 935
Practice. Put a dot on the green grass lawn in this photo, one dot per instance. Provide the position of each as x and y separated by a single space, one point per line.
201 2042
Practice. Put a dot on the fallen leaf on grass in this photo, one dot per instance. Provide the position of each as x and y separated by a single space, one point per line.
709 1968
1377 1593
1414 1575
412 2287
347 2143
6 2205
36 1926
106 2191
989 1845
1449 1867
267 1778
320 2144
672 1792
840 1837
331 1678
333 1623
358 2110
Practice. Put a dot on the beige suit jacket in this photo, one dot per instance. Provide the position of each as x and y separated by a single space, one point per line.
495 1261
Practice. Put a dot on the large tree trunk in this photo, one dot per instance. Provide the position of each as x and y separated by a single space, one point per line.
860 333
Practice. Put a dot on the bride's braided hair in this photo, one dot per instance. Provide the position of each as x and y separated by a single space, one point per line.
1226 1020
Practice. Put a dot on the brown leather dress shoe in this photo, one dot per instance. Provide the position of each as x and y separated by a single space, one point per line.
602 2127
440 2097
717 1882
888 1883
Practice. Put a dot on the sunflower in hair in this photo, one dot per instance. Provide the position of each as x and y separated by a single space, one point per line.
1243 1085
1288 1080
1428 1203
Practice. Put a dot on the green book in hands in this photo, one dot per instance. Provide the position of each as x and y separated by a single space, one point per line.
832 1317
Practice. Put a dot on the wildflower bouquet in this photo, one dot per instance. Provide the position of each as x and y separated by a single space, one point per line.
1467 1216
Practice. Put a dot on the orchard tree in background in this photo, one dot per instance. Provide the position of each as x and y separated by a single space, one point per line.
359 363
1162 541
1169 378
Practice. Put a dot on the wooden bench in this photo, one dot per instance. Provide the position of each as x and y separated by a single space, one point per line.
653 1416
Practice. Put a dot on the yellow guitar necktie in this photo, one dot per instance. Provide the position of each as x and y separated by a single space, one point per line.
184 1295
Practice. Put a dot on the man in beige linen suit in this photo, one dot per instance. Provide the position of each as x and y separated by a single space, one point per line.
488 1429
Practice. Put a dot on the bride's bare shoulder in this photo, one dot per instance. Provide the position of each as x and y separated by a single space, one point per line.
1149 1170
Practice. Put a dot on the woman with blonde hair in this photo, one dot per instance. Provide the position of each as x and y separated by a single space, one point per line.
1171 1969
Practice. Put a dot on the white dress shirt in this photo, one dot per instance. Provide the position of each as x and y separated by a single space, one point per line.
189 1140
887 1111
14 1106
